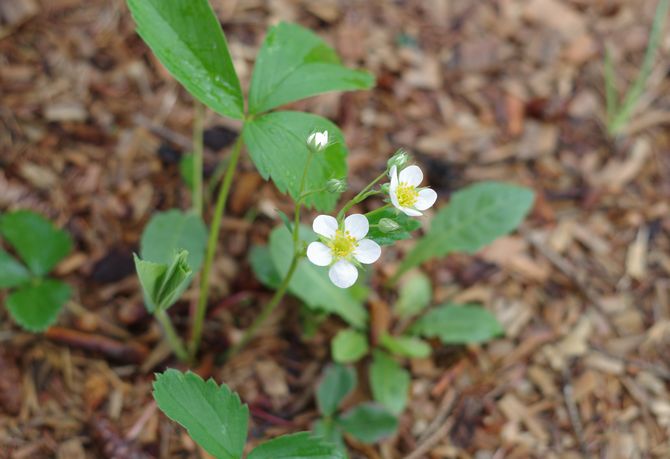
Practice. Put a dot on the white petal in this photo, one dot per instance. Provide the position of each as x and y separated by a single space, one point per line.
393 173
367 251
411 175
343 274
325 225
410 212
319 254
357 225
427 198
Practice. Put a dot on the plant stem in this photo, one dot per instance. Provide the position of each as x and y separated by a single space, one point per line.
171 335
198 127
269 308
215 227
359 197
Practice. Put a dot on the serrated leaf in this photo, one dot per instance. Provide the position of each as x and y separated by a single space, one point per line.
310 283
300 445
170 232
12 273
349 346
389 382
458 324
338 382
368 423
39 244
405 346
35 307
293 64
277 146
407 225
415 295
187 38
163 284
475 217
213 415
263 267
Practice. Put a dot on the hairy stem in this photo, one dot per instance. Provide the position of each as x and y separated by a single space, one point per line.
215 227
198 127
171 335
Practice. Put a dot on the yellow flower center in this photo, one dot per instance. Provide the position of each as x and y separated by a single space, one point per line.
343 244
407 195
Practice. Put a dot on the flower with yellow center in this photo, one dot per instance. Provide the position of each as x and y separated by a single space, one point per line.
342 248
405 193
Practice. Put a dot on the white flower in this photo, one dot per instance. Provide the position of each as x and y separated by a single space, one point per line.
318 140
342 248
405 194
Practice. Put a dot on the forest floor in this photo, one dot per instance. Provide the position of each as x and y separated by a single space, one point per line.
91 132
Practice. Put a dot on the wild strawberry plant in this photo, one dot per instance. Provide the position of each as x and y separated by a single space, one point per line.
305 157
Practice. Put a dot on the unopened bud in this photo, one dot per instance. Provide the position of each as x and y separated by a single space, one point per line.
336 185
399 159
317 141
386 225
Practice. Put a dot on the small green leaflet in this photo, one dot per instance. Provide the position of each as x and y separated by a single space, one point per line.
338 382
163 284
300 445
349 346
368 423
213 415
277 146
407 225
187 38
171 231
458 324
12 273
39 244
415 295
405 346
36 306
293 64
311 284
389 383
475 217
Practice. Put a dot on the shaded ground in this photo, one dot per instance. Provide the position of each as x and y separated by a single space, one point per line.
91 130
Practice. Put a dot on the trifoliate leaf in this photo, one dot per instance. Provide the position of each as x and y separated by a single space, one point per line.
213 415
300 445
368 423
349 346
389 382
39 244
36 306
163 284
405 226
338 381
458 324
12 273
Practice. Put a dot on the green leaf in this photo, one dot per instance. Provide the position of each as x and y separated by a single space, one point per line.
169 232
277 146
187 38
368 423
327 429
406 346
300 445
39 244
163 284
12 273
186 166
311 284
293 64
263 267
389 383
458 324
213 415
407 225
36 306
476 216
415 295
338 382
349 346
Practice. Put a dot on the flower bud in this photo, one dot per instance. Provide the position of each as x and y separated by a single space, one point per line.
336 185
317 141
399 159
386 225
